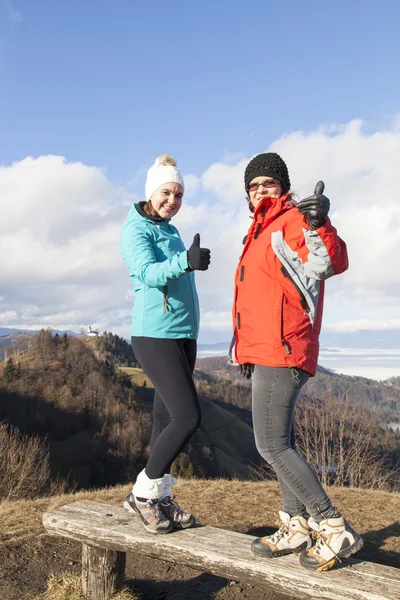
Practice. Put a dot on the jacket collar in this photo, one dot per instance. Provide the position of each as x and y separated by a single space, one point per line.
272 207
140 209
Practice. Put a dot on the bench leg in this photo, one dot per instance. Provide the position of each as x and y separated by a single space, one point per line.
103 572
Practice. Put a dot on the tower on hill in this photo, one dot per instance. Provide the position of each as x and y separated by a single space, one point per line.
91 332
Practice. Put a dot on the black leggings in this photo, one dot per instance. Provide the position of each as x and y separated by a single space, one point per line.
169 365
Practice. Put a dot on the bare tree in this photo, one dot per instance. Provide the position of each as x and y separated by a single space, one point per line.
24 464
336 438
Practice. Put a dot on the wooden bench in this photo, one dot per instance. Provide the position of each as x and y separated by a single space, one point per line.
107 533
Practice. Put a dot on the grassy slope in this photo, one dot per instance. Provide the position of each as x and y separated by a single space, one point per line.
246 507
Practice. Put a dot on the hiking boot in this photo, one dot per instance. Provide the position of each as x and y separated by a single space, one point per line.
173 512
293 535
150 514
335 539
170 508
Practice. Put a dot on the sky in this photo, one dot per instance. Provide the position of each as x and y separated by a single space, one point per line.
92 92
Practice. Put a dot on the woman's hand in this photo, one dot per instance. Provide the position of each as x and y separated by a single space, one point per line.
246 370
316 207
198 258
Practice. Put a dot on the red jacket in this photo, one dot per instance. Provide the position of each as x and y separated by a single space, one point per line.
279 287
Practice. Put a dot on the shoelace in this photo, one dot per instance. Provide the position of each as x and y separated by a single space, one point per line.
168 501
157 510
321 538
282 531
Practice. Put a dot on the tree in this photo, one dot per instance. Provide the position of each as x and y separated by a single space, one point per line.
11 371
337 439
65 342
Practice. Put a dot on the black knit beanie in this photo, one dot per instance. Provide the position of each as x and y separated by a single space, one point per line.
269 164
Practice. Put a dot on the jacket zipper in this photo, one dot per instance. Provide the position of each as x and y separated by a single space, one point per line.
284 342
166 308
303 300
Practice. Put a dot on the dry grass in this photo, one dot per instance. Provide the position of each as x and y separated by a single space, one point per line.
68 587
236 505
137 376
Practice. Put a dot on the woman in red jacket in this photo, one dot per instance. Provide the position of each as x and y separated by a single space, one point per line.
288 253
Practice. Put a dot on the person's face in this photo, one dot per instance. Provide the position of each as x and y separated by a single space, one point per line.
260 187
167 200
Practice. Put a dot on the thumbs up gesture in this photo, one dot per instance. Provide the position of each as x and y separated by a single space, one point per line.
198 258
316 207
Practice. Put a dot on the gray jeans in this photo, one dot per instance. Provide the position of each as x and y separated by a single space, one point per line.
275 391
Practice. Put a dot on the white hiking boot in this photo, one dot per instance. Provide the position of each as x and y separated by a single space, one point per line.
293 535
335 539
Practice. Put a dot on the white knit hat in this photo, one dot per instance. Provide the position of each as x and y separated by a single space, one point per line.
163 171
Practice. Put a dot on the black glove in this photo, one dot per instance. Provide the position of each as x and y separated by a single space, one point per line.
246 370
198 258
315 208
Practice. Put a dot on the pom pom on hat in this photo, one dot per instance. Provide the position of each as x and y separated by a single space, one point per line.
164 170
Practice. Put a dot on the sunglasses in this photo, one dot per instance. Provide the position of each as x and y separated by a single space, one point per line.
267 183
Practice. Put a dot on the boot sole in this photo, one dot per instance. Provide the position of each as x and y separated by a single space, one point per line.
284 552
186 525
135 512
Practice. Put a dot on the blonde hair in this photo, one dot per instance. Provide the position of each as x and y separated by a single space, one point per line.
150 210
167 161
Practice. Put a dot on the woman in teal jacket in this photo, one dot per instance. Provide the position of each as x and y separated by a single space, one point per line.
165 326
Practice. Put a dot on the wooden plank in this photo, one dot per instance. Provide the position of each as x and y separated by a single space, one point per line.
223 553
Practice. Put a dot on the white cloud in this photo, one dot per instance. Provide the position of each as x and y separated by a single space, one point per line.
192 184
59 242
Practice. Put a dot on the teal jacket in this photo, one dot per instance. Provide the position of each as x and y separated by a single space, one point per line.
166 303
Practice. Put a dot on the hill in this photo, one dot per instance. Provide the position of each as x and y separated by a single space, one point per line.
28 557
96 419
339 418
87 411
14 342
382 398
91 406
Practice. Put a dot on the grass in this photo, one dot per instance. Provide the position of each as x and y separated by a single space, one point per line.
137 376
68 587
